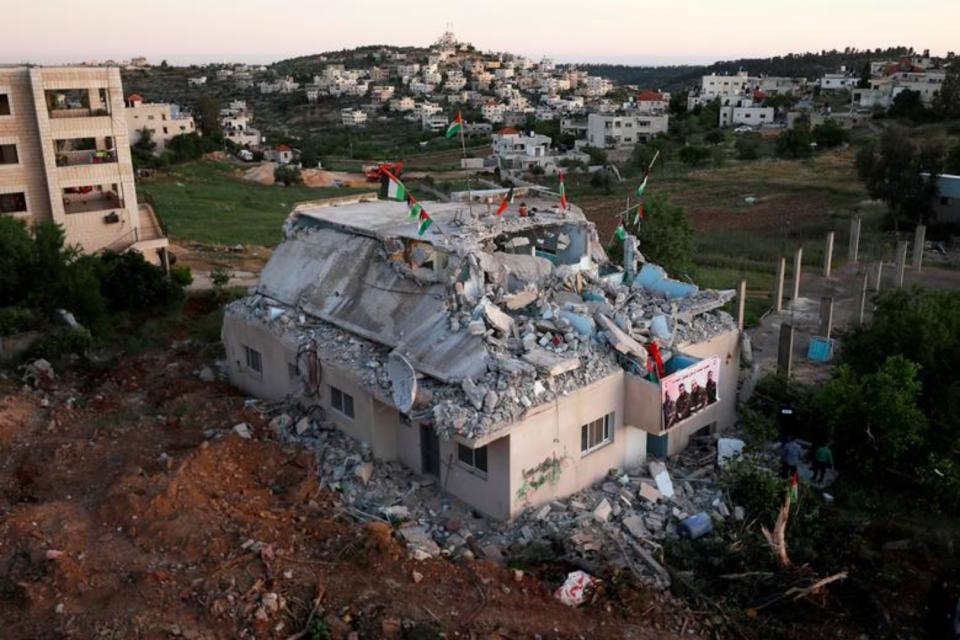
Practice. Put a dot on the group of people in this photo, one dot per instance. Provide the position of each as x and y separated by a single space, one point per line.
688 403
791 452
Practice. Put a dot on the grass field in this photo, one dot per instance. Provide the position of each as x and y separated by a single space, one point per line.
208 202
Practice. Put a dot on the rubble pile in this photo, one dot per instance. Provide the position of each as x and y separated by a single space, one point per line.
624 519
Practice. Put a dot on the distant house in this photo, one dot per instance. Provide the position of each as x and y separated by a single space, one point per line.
197 81
652 102
163 121
611 131
282 153
946 206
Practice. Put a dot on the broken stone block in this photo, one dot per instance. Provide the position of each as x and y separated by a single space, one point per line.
490 401
477 328
543 512
475 394
739 513
364 472
303 425
649 492
661 476
243 430
521 299
603 510
551 363
419 542
497 319
207 375
634 525
396 513
279 424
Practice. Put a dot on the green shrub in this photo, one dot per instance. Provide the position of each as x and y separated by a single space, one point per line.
16 319
694 155
130 283
59 343
747 149
181 276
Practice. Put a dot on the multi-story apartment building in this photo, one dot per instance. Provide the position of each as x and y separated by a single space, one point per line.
65 158
163 121
610 131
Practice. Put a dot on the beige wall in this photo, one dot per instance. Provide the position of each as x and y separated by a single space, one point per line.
157 117
20 127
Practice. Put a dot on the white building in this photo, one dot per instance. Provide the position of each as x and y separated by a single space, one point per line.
352 117
753 116
163 121
838 81
493 111
610 131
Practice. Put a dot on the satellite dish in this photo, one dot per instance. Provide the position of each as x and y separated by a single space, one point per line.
404 381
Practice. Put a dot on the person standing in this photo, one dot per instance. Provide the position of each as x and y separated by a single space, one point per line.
790 455
822 460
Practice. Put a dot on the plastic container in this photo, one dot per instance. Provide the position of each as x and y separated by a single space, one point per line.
696 526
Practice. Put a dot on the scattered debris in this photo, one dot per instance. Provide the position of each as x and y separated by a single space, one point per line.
576 588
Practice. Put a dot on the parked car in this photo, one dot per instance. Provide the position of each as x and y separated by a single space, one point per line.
744 128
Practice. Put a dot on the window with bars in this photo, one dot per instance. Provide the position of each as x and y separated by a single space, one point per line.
597 433
341 402
254 359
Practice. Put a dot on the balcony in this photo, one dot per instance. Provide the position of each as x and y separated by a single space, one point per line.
77 158
86 199
77 112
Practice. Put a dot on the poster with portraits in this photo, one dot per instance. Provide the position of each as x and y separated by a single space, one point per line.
689 391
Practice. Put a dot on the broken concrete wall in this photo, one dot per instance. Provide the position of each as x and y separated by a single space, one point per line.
276 352
553 431
579 244
642 400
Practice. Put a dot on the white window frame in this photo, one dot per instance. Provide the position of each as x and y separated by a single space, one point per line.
472 464
251 356
342 408
604 426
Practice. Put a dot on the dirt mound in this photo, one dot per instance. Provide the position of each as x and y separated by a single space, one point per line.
262 173
131 509
321 178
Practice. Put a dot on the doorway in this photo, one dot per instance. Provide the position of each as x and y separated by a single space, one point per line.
429 450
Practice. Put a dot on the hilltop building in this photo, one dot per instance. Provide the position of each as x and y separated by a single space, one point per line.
507 357
65 158
163 121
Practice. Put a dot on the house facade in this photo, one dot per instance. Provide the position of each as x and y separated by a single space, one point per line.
611 131
65 158
501 355
163 121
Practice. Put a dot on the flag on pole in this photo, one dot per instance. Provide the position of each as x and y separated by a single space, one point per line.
415 207
456 127
507 199
621 233
425 222
643 185
395 189
794 487
563 194
638 214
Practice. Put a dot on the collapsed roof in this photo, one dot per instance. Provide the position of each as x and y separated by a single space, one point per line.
495 315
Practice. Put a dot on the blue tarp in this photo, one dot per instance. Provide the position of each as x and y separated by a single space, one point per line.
654 278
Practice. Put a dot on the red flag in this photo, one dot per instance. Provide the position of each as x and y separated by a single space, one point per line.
654 352
563 194
507 199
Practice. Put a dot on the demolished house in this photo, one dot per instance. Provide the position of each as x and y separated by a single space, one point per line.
505 356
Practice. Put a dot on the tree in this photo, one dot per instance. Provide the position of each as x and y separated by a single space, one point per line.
891 171
287 174
795 142
714 136
864 81
747 148
678 102
908 104
597 155
947 103
208 113
829 134
665 234
694 155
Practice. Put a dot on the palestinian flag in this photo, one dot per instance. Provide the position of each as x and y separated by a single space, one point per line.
621 233
415 207
456 127
638 214
507 199
794 487
395 189
425 222
643 185
563 194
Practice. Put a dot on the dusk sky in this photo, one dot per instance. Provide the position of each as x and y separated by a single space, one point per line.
675 31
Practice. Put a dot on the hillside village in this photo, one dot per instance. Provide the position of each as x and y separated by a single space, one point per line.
545 354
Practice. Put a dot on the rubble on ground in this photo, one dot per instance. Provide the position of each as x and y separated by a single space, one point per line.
624 520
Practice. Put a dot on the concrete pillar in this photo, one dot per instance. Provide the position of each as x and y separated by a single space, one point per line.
901 264
828 256
797 268
919 238
741 303
778 294
876 283
864 286
826 316
630 257
854 240
785 350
